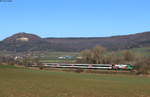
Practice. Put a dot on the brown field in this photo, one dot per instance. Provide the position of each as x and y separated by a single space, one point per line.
22 82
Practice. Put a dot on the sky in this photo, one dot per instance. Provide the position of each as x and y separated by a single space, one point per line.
74 18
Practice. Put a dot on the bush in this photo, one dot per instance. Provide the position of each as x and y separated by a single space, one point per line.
79 70
143 66
41 67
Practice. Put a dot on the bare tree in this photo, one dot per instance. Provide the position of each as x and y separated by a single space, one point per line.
95 55
98 54
128 56
86 56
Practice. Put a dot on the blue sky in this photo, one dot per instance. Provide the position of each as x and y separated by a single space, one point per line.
74 18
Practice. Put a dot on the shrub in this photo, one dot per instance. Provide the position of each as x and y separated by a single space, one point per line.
143 66
41 67
79 70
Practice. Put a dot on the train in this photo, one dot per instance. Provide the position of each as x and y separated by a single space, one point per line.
91 66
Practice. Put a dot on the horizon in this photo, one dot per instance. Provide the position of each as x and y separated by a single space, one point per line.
75 37
76 18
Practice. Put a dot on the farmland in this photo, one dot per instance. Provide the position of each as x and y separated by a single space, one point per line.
23 82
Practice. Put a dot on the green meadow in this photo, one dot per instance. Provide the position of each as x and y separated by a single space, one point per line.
24 82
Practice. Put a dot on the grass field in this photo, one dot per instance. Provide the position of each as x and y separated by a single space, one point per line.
52 57
21 82
57 61
145 51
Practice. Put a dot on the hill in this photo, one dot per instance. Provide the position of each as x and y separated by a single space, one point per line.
21 42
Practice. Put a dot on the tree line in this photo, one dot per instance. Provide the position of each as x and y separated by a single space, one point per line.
100 55
96 55
13 60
